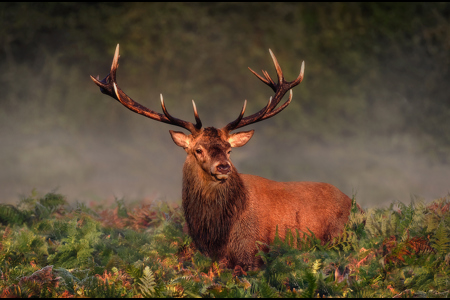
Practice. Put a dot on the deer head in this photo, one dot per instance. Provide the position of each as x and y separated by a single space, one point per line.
209 147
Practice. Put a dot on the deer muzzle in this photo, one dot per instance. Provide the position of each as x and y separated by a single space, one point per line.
220 170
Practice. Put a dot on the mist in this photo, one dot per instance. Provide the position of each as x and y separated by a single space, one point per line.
366 118
110 166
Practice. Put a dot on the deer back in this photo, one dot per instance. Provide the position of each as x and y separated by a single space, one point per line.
316 206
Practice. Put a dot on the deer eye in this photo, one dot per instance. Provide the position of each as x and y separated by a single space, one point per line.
198 151
229 151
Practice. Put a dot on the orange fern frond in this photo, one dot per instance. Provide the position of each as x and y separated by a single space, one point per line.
238 271
439 208
420 245
141 217
394 252
110 218
106 276
185 252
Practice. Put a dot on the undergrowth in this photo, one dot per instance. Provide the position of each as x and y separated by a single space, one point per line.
51 249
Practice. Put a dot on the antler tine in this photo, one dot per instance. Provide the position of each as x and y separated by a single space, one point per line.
115 64
272 83
163 106
264 110
279 109
108 86
231 125
300 76
197 118
277 67
280 89
181 123
260 78
266 80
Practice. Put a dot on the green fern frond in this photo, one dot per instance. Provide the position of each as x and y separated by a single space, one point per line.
264 289
346 241
311 280
309 242
96 288
372 225
136 270
190 287
385 226
356 221
432 223
441 240
148 283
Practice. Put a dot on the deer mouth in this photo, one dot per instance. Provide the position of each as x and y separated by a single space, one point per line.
220 177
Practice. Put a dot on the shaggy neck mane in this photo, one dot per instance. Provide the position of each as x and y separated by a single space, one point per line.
211 207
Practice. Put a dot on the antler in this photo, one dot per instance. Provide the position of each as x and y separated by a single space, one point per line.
108 86
280 90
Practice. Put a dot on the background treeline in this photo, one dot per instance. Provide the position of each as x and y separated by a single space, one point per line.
366 63
372 69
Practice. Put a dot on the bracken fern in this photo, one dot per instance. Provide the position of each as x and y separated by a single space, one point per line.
142 251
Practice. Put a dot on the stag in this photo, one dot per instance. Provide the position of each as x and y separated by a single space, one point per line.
227 212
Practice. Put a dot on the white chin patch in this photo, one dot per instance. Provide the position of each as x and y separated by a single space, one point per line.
221 176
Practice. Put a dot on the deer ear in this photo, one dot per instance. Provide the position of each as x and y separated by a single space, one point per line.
180 138
240 139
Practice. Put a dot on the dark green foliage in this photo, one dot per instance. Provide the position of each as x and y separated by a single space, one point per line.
9 214
31 208
311 284
402 250
79 245
41 207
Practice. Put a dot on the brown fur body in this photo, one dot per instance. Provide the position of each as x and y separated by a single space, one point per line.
226 218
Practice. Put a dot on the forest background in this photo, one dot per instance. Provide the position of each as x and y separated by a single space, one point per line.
372 115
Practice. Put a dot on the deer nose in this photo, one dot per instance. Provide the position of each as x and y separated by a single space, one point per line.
223 168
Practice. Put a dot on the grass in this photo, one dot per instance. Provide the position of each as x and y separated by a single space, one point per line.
51 249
